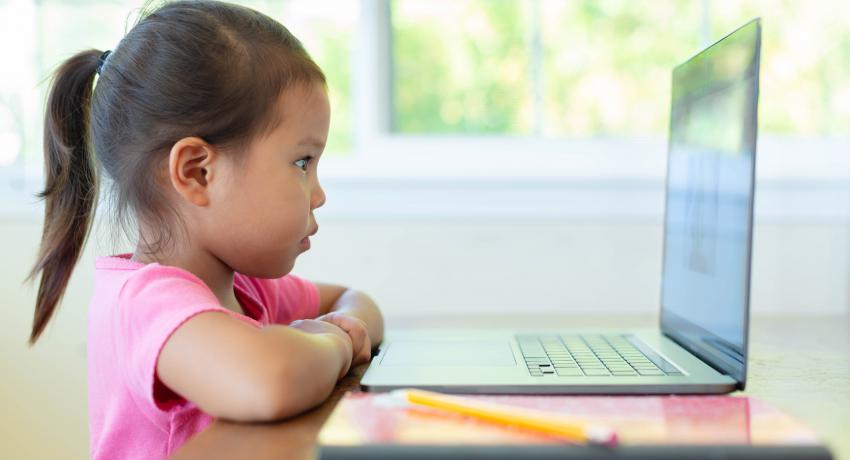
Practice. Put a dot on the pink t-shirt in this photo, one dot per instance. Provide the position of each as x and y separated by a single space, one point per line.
135 308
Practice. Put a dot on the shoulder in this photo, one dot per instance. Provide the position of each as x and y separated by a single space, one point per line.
154 280
156 292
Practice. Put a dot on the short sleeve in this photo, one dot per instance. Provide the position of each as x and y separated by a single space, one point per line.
153 303
287 299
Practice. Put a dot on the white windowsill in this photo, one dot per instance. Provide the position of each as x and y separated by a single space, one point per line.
457 198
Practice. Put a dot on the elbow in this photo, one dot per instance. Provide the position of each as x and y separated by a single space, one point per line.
286 392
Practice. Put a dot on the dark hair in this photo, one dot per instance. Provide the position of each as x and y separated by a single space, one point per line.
188 68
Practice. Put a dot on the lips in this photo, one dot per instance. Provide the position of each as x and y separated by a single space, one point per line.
306 241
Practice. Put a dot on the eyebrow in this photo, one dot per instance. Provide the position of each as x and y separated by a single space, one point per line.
314 141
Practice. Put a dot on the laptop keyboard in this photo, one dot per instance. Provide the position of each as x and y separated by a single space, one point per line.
590 355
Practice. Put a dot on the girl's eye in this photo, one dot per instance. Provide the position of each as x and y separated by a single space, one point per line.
304 162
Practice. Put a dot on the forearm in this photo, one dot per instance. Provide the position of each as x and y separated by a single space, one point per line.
235 371
312 365
361 306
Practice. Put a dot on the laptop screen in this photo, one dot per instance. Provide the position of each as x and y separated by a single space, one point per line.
709 208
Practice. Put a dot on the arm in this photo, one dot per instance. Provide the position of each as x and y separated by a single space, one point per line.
333 298
233 370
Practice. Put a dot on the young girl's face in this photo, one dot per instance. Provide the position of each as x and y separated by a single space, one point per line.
264 215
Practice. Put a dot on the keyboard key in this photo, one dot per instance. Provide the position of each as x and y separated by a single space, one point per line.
650 372
596 372
623 373
644 366
594 368
618 366
569 372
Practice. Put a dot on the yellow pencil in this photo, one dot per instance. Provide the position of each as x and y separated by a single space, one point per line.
543 422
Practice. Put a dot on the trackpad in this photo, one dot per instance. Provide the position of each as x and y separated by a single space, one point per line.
449 353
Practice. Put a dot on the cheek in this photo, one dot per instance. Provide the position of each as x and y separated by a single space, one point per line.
267 211
290 215
283 218
264 241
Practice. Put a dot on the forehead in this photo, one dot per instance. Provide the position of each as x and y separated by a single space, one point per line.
302 110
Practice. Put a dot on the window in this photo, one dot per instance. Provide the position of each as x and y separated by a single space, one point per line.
564 91
590 68
573 68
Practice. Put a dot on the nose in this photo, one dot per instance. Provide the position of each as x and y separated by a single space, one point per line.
317 198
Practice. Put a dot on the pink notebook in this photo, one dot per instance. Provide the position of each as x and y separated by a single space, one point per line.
377 418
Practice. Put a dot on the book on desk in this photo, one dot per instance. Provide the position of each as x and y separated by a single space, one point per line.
370 425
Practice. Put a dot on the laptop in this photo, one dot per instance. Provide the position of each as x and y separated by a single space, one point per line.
701 343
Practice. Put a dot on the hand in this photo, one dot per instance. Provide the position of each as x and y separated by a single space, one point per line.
356 329
315 326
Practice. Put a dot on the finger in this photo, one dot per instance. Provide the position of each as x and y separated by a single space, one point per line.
358 331
365 352
366 355
341 321
354 327
351 326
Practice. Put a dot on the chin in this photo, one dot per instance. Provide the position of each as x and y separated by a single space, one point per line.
284 269
270 270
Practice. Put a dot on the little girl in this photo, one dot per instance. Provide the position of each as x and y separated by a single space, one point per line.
209 120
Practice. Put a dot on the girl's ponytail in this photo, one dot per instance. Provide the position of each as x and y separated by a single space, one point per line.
70 190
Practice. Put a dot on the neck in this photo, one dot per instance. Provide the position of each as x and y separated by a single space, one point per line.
201 263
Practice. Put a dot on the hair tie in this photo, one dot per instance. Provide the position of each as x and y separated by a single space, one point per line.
102 60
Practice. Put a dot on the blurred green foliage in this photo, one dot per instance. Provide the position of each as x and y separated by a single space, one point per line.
467 67
459 66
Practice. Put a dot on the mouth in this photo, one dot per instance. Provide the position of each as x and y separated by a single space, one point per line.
305 243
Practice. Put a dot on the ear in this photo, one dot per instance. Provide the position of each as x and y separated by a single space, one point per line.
190 169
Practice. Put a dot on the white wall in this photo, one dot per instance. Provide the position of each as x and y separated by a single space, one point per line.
412 266
424 266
